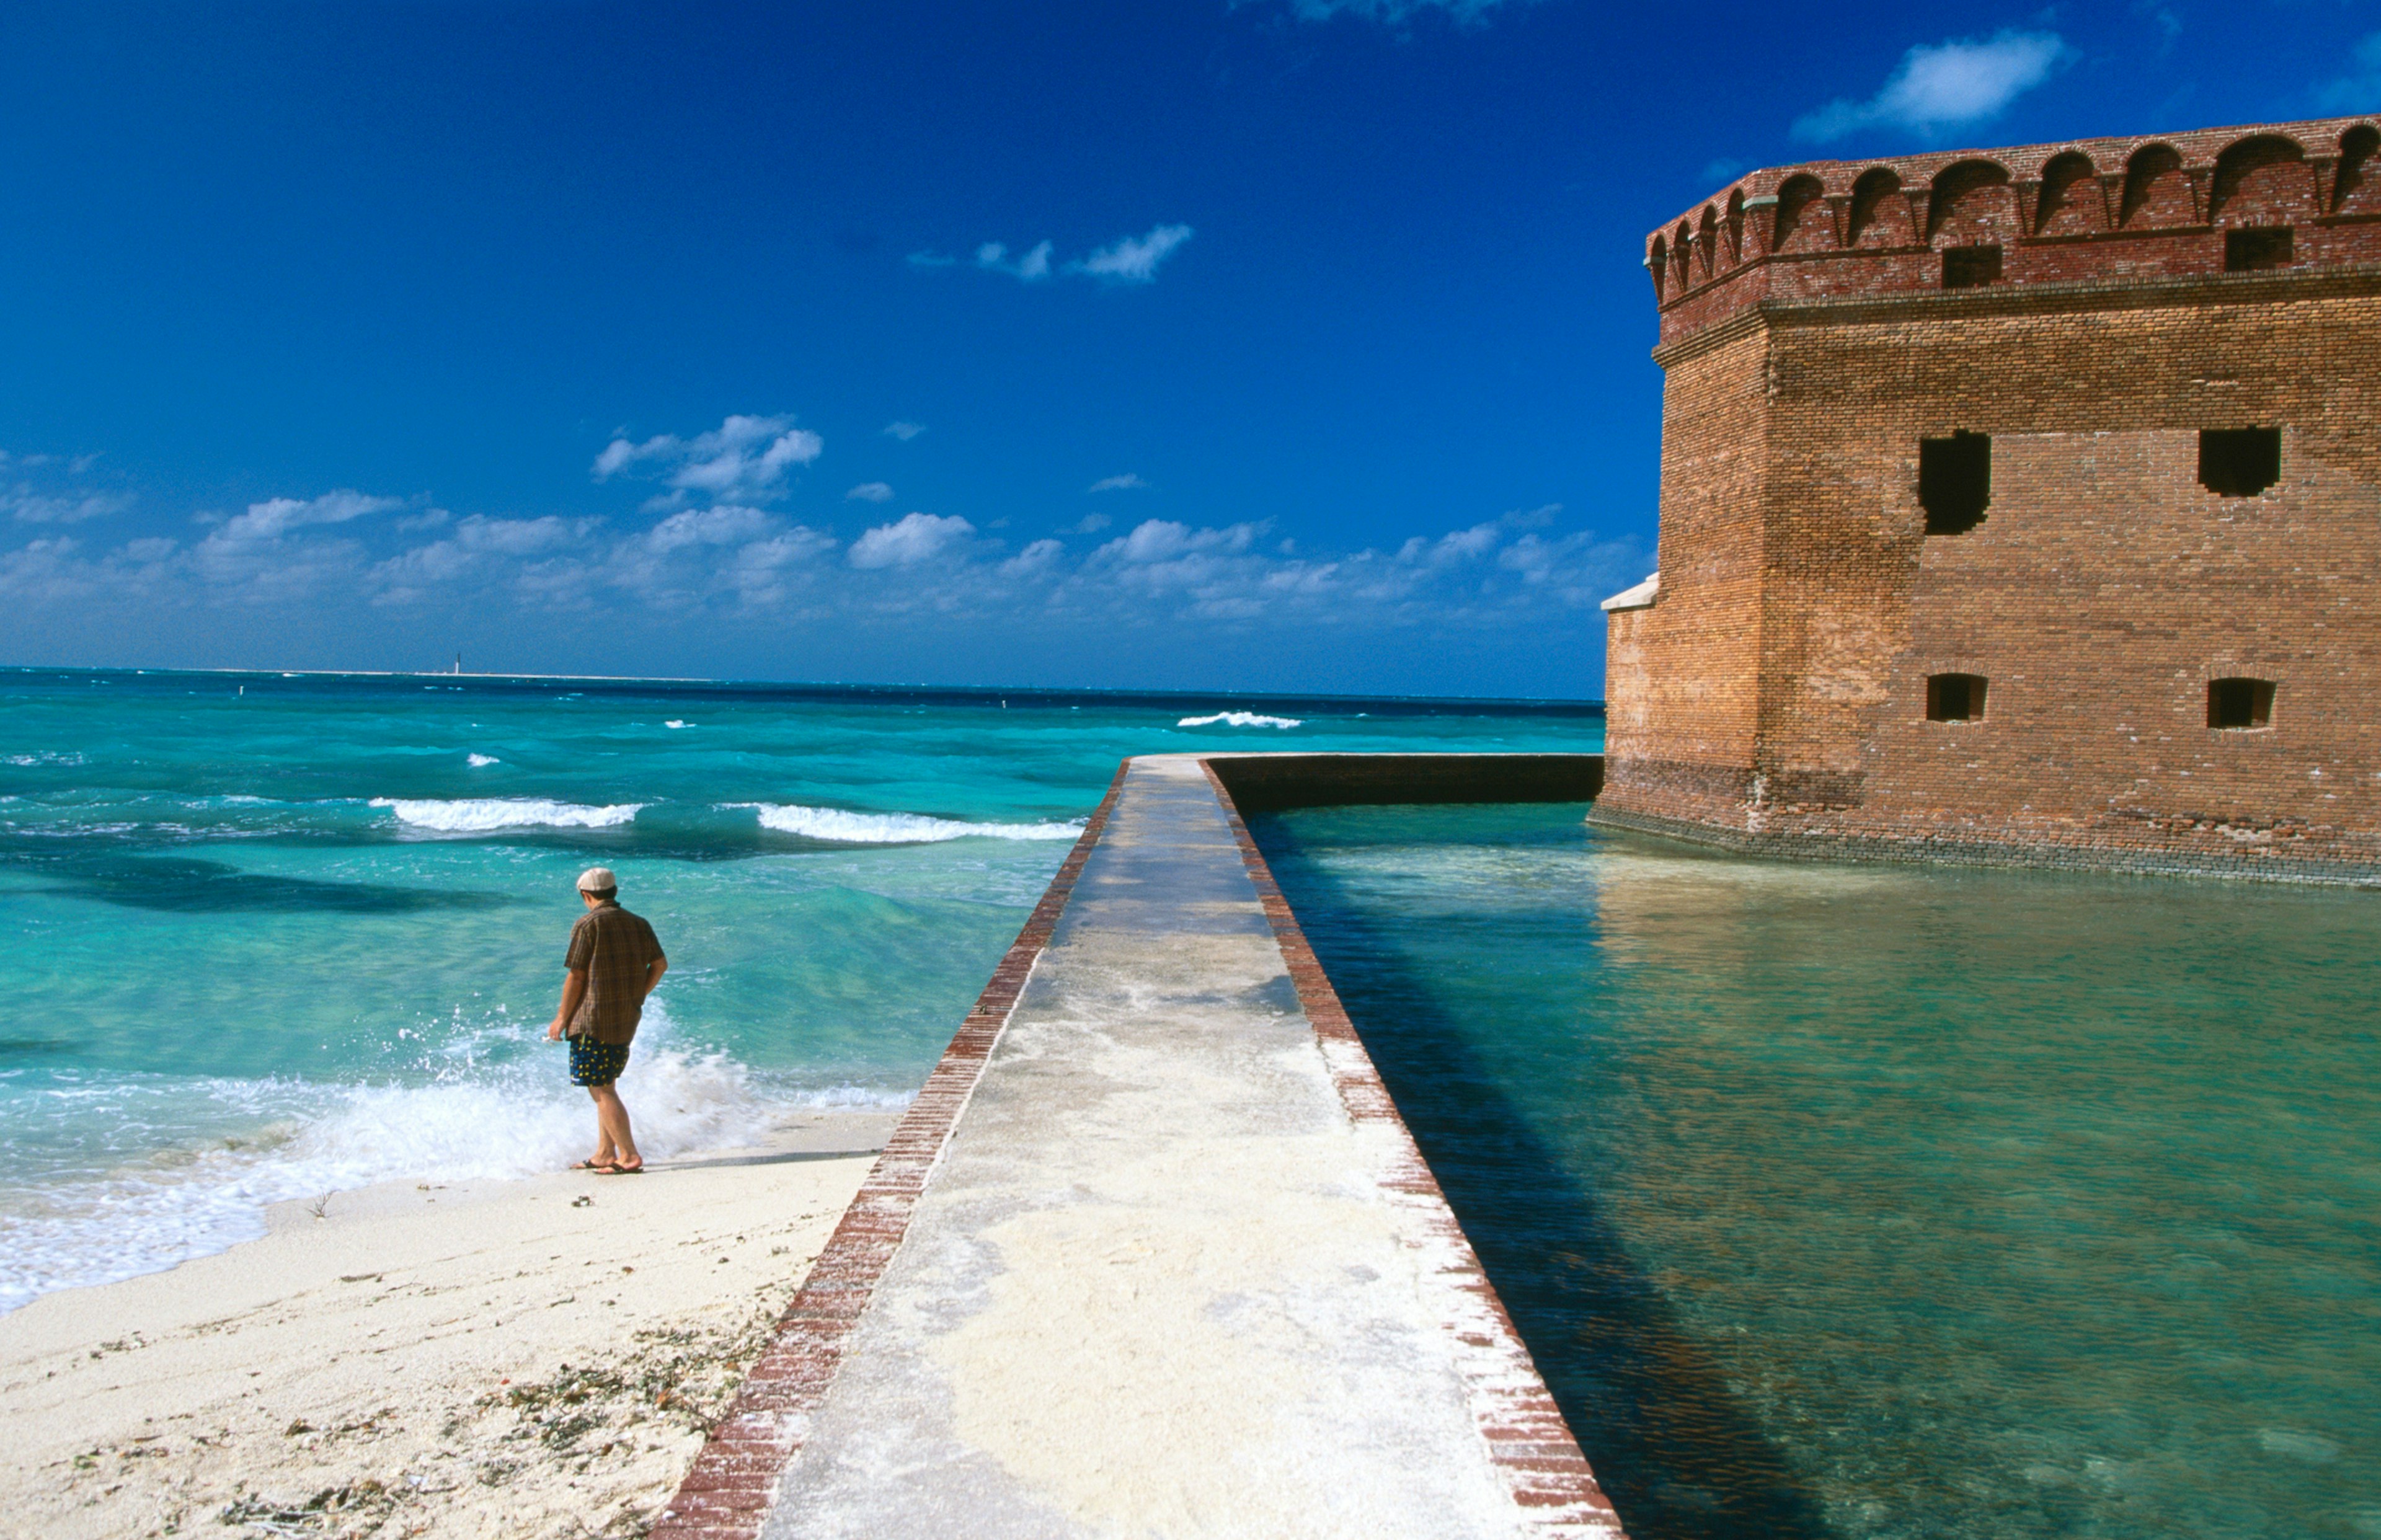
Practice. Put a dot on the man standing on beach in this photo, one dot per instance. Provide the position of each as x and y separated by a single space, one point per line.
614 963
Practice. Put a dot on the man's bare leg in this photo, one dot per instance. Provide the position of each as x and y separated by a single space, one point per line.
612 1117
605 1154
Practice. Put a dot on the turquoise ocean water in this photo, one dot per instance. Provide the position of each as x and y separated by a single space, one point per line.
279 935
1874 1201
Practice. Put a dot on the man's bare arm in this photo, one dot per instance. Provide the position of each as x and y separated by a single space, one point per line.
574 989
653 972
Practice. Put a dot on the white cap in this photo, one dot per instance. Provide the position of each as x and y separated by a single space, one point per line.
597 879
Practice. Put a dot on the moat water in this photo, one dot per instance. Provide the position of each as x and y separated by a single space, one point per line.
1865 1202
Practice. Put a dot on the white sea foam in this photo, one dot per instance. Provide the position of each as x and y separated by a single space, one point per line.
851 1098
477 1123
894 828
1241 719
477 814
515 1125
475 760
674 723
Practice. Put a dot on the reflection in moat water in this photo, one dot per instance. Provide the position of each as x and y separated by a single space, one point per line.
1885 1201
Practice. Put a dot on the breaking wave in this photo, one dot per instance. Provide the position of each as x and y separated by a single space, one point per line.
894 828
478 815
1241 719
200 1195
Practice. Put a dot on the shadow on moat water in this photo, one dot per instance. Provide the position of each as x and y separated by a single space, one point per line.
1672 1446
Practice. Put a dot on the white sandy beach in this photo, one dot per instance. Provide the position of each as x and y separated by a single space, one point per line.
523 1359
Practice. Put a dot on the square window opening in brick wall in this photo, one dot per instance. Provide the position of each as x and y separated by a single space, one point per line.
1955 481
2240 462
2239 704
1970 266
1954 697
2254 250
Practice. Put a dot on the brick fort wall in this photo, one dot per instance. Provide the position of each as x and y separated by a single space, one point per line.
2084 314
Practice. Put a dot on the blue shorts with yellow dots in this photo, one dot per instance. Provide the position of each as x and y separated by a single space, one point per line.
594 1063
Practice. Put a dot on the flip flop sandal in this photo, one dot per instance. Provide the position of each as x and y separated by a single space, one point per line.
599 1167
618 1170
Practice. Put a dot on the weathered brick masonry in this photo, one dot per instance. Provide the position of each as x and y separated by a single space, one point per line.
2130 666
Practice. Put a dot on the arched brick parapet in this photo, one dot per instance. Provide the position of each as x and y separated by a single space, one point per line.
2297 196
2071 201
1880 215
2264 179
1972 204
2157 191
1805 223
2356 186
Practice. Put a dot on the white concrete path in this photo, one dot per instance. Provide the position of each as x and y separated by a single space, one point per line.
1163 1283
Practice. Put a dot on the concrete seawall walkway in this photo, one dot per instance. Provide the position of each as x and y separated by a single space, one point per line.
1170 1266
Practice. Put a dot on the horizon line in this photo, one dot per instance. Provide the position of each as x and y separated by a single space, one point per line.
795 684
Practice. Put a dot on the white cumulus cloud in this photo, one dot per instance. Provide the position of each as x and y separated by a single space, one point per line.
44 494
513 537
905 432
1459 545
1946 85
726 568
869 492
262 556
765 572
1134 259
1163 540
735 566
1129 260
745 457
478 546
28 507
1033 267
796 545
277 516
1039 557
47 571
1127 483
725 525
918 537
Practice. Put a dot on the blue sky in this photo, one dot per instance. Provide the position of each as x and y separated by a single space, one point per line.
1285 344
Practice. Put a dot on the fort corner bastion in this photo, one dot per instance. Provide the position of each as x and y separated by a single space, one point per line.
2020 506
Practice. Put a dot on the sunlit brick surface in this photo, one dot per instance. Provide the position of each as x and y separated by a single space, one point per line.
1774 695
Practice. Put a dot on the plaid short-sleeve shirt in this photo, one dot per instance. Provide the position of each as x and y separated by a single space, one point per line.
614 947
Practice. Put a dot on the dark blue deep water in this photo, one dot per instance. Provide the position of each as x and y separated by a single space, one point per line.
1879 1201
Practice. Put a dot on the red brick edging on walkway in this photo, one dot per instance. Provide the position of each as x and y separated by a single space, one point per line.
728 1494
1527 1439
